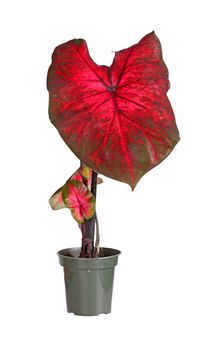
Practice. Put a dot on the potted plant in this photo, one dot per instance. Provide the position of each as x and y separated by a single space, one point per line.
119 122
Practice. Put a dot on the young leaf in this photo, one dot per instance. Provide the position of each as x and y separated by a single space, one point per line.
56 200
79 199
86 173
118 119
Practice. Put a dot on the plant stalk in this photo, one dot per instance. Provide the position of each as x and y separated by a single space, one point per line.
88 227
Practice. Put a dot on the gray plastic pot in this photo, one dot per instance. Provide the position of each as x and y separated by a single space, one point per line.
88 282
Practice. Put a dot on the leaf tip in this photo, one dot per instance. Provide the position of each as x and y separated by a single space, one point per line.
99 180
133 187
50 202
78 218
78 42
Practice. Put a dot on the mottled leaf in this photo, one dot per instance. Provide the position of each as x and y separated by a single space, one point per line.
80 175
79 199
118 119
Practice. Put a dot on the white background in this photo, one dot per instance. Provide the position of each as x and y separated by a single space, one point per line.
167 289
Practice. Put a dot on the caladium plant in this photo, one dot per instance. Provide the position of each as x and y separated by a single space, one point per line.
117 120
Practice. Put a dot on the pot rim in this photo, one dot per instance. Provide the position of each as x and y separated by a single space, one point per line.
61 253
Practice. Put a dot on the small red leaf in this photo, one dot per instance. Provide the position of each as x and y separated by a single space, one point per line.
76 195
118 119
79 199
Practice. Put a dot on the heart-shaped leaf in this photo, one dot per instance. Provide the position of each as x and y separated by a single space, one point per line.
118 119
84 203
79 199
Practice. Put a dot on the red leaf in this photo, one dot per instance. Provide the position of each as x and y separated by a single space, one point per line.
78 198
118 119
76 195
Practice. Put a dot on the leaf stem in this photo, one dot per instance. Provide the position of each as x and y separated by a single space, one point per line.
88 226
97 241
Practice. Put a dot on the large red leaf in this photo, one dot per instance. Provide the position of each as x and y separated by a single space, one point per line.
118 119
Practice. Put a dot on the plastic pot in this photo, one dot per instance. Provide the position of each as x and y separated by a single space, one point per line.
88 282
